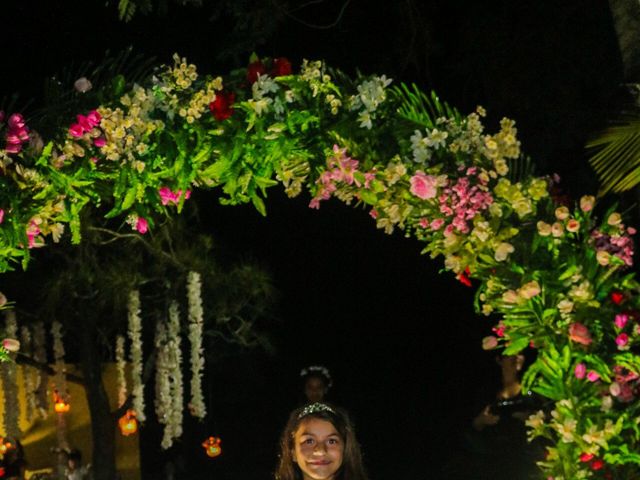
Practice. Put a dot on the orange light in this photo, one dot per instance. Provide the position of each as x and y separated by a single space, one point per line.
128 423
59 405
212 446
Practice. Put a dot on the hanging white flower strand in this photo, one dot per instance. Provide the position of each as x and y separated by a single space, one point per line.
163 387
194 296
135 335
174 357
28 374
9 382
60 379
40 356
120 370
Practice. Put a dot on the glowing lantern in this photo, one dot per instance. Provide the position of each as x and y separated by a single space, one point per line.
212 446
128 423
59 405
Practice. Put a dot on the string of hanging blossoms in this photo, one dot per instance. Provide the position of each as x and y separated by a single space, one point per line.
135 336
8 371
551 276
196 322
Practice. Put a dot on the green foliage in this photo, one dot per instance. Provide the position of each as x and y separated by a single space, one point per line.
421 108
616 156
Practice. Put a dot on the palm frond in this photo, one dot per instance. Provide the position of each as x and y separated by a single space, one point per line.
616 157
421 108
520 169
108 77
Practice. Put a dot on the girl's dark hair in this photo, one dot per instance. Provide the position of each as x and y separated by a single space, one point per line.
352 466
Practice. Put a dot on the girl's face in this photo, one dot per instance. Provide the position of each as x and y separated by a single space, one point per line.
318 449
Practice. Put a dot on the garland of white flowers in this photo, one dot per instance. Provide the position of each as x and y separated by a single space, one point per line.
28 374
40 382
194 297
9 383
120 371
135 335
60 379
60 382
163 387
175 363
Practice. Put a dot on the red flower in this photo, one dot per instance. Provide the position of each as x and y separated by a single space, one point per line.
597 464
254 69
586 457
221 108
281 66
617 297
463 277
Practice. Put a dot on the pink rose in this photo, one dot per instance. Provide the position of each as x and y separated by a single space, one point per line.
593 376
99 142
423 186
580 371
622 340
621 320
142 225
579 333
11 344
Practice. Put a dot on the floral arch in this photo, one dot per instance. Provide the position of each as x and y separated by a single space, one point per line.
552 277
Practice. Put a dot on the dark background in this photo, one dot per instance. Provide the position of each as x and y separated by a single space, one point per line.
401 340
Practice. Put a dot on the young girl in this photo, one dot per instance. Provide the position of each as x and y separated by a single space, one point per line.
319 443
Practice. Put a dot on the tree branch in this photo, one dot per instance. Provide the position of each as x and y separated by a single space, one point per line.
23 359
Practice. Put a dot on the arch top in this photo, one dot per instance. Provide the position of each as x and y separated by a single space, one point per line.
553 277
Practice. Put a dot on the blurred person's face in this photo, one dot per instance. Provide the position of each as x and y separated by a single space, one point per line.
314 389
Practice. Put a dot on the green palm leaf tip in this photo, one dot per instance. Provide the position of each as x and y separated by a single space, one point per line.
616 160
422 108
520 169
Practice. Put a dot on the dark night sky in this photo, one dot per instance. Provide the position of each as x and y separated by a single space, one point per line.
401 340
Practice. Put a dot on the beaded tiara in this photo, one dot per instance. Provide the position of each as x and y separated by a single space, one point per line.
315 408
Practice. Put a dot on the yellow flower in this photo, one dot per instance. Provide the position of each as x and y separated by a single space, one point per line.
502 251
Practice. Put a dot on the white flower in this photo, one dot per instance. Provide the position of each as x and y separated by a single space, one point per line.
135 335
365 120
120 370
10 383
263 86
502 251
194 297
82 85
437 138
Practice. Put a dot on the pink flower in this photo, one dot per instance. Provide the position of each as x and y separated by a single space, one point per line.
424 223
580 371
76 130
1 215
423 186
99 142
587 202
621 320
489 343
437 224
32 232
166 195
11 344
373 213
579 333
142 225
622 340
593 376
93 118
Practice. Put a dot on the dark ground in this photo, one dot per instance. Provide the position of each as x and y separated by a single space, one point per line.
401 341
